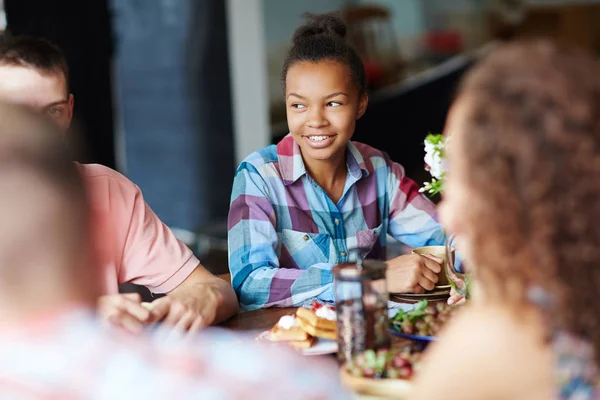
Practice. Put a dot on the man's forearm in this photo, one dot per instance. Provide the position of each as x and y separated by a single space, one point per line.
202 289
228 302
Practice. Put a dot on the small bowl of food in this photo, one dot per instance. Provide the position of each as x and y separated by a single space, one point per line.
423 323
384 373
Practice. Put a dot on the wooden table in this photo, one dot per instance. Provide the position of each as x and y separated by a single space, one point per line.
262 319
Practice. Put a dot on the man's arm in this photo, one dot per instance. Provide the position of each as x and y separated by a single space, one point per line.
210 297
153 257
202 299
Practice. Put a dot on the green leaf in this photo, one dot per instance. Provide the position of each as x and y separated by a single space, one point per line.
370 359
381 361
421 305
435 186
434 138
418 311
400 316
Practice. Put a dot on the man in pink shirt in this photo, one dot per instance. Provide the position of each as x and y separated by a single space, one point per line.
132 243
51 343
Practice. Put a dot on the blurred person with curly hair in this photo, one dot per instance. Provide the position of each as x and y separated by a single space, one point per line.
522 193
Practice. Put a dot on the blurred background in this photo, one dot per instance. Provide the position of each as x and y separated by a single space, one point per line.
175 93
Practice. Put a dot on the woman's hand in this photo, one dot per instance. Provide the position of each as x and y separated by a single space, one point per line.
413 273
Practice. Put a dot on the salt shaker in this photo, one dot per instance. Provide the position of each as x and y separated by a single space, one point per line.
361 298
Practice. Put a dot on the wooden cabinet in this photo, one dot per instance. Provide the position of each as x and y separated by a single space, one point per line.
577 24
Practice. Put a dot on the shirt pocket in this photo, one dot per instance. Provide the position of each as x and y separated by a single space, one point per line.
306 249
367 240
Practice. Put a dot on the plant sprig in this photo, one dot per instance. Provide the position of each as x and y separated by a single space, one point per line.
412 315
434 145
434 187
434 138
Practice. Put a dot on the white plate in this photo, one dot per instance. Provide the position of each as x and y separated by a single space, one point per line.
321 347
318 348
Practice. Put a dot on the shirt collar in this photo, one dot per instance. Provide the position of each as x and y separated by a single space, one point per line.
356 162
292 166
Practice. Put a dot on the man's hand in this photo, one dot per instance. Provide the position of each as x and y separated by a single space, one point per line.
124 311
205 298
200 300
413 273
189 309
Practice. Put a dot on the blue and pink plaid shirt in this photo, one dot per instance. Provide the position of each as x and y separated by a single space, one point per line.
286 234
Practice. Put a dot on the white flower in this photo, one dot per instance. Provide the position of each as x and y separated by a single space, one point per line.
434 163
433 160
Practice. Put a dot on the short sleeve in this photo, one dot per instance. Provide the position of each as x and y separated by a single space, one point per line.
152 256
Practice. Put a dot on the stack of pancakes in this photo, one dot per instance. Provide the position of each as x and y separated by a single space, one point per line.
307 327
294 336
316 326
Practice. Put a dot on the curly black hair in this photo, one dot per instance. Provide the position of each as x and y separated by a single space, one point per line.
323 37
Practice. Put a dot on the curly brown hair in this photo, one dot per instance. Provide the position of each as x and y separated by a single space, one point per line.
532 143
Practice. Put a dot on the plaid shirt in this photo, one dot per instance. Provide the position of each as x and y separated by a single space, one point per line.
286 234
69 357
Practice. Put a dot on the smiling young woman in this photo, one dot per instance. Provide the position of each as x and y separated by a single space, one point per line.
317 199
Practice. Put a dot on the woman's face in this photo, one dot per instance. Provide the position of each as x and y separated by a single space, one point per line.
322 105
456 207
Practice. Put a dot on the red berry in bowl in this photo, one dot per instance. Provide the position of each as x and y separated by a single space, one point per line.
399 361
368 372
406 372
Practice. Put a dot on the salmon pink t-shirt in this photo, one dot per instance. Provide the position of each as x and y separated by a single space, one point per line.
131 242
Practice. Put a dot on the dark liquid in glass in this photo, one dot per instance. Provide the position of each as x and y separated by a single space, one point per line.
362 324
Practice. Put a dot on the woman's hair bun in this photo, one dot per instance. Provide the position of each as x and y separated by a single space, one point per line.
320 24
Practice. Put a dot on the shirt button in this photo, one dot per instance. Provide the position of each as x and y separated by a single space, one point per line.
306 237
343 254
336 221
